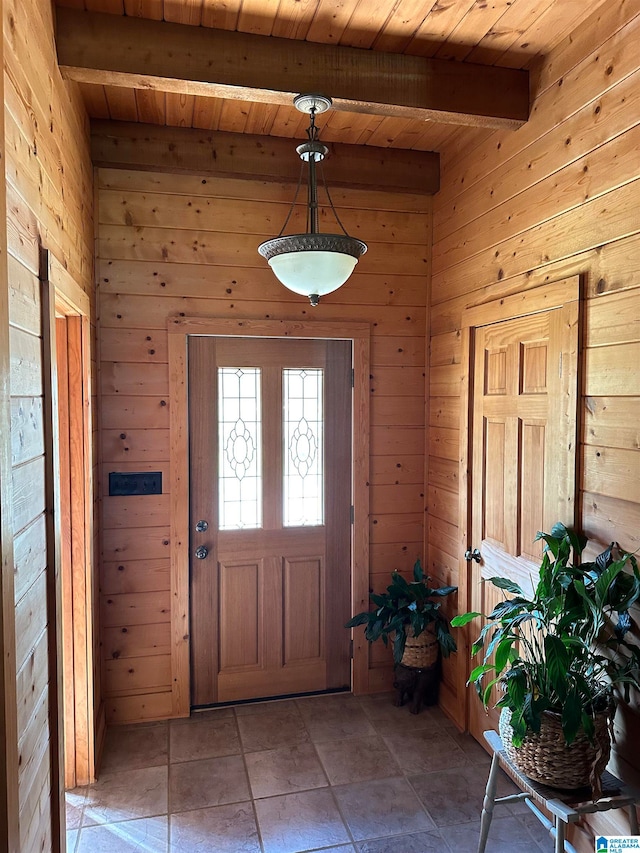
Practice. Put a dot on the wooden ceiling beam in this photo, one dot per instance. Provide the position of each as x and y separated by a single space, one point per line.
150 147
131 52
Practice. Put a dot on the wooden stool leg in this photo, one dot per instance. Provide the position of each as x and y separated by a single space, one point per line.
488 803
560 825
633 819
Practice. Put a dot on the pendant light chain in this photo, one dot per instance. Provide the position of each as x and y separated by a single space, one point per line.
293 203
335 212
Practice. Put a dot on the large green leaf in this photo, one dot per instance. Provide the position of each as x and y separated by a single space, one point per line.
571 715
505 583
418 573
446 640
478 671
557 663
443 590
552 542
516 683
502 654
463 619
509 607
359 619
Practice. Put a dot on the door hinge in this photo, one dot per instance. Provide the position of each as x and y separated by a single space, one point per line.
353 378
352 514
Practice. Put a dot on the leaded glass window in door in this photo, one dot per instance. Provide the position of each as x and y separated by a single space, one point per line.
240 448
303 447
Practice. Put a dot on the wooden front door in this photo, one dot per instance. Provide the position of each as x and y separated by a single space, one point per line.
523 412
270 461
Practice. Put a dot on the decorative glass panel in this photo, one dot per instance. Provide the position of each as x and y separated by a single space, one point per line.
239 457
303 451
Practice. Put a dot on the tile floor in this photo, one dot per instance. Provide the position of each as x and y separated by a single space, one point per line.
334 773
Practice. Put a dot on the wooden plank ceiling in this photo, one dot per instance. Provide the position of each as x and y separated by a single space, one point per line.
505 33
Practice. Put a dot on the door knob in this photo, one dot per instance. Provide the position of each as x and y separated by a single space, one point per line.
201 552
201 526
472 555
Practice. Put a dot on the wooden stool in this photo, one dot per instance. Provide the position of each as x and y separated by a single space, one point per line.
565 806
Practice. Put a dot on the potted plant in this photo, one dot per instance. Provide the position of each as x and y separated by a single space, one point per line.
560 658
404 612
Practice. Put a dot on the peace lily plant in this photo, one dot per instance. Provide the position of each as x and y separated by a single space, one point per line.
566 649
407 606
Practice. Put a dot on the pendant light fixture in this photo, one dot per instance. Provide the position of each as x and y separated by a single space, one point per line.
312 264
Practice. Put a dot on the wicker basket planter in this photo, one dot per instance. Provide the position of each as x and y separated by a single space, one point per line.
421 652
546 758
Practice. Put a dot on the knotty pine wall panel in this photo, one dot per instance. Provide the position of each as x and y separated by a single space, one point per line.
49 202
179 245
558 197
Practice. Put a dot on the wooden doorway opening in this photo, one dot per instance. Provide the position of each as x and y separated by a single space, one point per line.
68 377
180 330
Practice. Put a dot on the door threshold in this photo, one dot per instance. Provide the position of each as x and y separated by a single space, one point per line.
265 699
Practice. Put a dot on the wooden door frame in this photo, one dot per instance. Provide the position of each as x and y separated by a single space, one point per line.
534 301
179 328
63 298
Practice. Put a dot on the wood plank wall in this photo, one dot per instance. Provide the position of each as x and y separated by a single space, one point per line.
558 197
171 244
49 199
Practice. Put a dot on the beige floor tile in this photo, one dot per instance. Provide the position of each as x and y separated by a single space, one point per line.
423 842
313 707
297 822
222 829
425 750
133 836
285 770
74 804
473 750
455 795
208 782
356 760
253 708
304 792
126 795
381 706
337 717
537 830
130 748
273 729
380 808
203 737
507 835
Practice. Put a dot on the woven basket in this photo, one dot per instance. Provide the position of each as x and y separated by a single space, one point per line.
421 652
546 758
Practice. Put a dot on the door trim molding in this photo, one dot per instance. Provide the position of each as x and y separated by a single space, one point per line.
533 301
64 299
179 328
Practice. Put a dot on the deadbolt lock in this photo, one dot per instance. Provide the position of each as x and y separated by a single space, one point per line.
201 526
